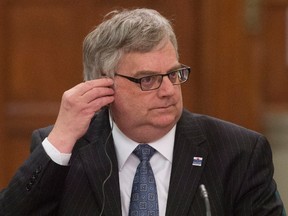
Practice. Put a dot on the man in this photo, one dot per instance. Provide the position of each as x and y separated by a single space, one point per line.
85 164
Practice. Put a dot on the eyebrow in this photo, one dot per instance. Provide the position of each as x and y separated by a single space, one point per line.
148 73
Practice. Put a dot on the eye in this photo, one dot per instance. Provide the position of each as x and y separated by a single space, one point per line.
147 80
173 76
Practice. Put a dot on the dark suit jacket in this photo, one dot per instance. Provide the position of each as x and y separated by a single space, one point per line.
236 169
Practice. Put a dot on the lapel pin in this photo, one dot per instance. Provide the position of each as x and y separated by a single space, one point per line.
197 161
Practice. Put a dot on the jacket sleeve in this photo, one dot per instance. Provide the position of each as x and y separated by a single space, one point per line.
36 187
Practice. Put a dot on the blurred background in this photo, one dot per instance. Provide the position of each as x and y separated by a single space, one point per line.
237 50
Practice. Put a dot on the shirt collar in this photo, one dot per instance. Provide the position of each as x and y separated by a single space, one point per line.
125 146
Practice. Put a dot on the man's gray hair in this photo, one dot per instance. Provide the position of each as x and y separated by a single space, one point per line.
138 30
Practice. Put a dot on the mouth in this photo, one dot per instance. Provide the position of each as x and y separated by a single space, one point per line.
164 107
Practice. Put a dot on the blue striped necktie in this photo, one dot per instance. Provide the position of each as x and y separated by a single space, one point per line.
144 199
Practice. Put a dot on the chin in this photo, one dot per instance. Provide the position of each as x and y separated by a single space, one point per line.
165 121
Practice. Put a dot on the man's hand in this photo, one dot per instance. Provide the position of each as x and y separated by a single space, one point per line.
78 106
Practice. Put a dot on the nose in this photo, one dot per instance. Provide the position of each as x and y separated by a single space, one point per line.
167 88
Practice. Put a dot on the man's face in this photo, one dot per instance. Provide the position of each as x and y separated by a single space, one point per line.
144 115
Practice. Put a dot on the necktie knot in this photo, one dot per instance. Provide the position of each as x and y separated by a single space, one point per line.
144 152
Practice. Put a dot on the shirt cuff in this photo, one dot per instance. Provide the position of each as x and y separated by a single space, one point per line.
55 154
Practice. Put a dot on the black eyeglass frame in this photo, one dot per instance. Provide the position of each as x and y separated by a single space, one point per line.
138 80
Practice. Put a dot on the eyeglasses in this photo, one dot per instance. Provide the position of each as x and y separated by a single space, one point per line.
153 82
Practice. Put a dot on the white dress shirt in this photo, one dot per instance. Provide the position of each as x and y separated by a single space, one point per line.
161 163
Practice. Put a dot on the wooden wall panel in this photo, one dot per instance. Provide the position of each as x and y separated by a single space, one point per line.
43 60
38 55
276 60
229 83
2 125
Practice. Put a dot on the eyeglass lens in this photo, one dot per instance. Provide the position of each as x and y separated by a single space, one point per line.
154 82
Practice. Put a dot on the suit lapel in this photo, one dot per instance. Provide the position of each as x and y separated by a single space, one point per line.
185 176
99 164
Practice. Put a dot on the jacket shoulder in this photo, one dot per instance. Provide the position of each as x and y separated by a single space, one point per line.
211 126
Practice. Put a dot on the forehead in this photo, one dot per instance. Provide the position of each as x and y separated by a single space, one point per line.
160 60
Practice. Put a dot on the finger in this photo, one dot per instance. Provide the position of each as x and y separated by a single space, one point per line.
96 93
82 88
97 104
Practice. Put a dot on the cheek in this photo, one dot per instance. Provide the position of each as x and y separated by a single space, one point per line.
134 107
127 101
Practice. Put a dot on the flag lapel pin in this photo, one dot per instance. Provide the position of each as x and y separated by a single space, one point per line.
197 161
